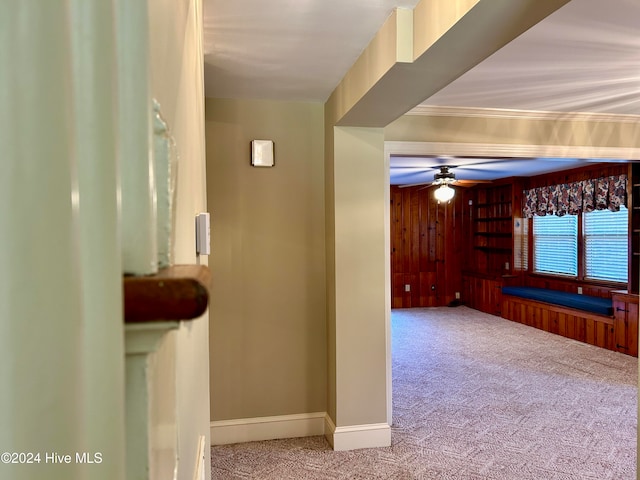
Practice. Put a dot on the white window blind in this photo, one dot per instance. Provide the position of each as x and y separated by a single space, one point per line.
555 244
606 245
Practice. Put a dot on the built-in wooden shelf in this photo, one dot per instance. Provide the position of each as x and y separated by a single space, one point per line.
179 292
493 231
634 220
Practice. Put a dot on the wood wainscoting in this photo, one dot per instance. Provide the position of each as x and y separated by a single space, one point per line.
585 327
618 333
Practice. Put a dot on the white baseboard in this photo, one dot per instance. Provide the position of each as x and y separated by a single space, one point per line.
267 428
352 437
357 436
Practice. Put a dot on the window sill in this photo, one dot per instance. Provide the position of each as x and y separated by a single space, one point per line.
584 281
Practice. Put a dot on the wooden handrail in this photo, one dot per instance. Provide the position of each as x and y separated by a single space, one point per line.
179 292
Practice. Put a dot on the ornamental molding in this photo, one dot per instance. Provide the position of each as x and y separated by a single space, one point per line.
502 150
500 113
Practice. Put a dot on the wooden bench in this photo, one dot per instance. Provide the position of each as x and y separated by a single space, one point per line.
617 332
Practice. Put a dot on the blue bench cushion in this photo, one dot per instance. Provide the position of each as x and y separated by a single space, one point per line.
602 306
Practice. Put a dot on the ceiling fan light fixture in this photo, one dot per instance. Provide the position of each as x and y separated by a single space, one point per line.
444 193
444 176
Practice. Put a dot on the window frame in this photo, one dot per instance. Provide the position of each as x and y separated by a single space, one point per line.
580 277
556 274
584 249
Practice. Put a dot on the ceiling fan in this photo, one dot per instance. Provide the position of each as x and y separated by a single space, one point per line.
418 170
462 171
445 177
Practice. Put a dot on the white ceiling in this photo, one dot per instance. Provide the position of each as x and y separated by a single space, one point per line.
585 57
286 49
420 170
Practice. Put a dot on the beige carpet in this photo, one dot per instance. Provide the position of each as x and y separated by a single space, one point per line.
477 397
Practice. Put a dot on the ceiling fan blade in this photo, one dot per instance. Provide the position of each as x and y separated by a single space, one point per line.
425 184
422 169
455 183
469 183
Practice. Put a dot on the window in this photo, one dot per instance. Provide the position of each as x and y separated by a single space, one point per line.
606 245
601 236
555 247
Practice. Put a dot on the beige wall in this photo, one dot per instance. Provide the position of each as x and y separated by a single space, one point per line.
359 275
268 334
176 78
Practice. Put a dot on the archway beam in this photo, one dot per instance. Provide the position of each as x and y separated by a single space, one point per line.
448 38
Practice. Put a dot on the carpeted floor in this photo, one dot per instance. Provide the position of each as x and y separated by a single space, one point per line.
477 397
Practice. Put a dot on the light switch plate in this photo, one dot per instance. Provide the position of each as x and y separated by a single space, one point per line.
203 234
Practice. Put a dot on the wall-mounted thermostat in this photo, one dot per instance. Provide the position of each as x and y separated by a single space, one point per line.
262 153
203 234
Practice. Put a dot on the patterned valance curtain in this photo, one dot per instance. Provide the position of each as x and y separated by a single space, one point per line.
577 197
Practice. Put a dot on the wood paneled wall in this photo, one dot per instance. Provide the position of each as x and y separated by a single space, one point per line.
618 333
596 330
426 248
431 244
568 285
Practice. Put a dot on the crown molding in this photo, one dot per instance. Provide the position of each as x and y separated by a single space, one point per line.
508 150
438 111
